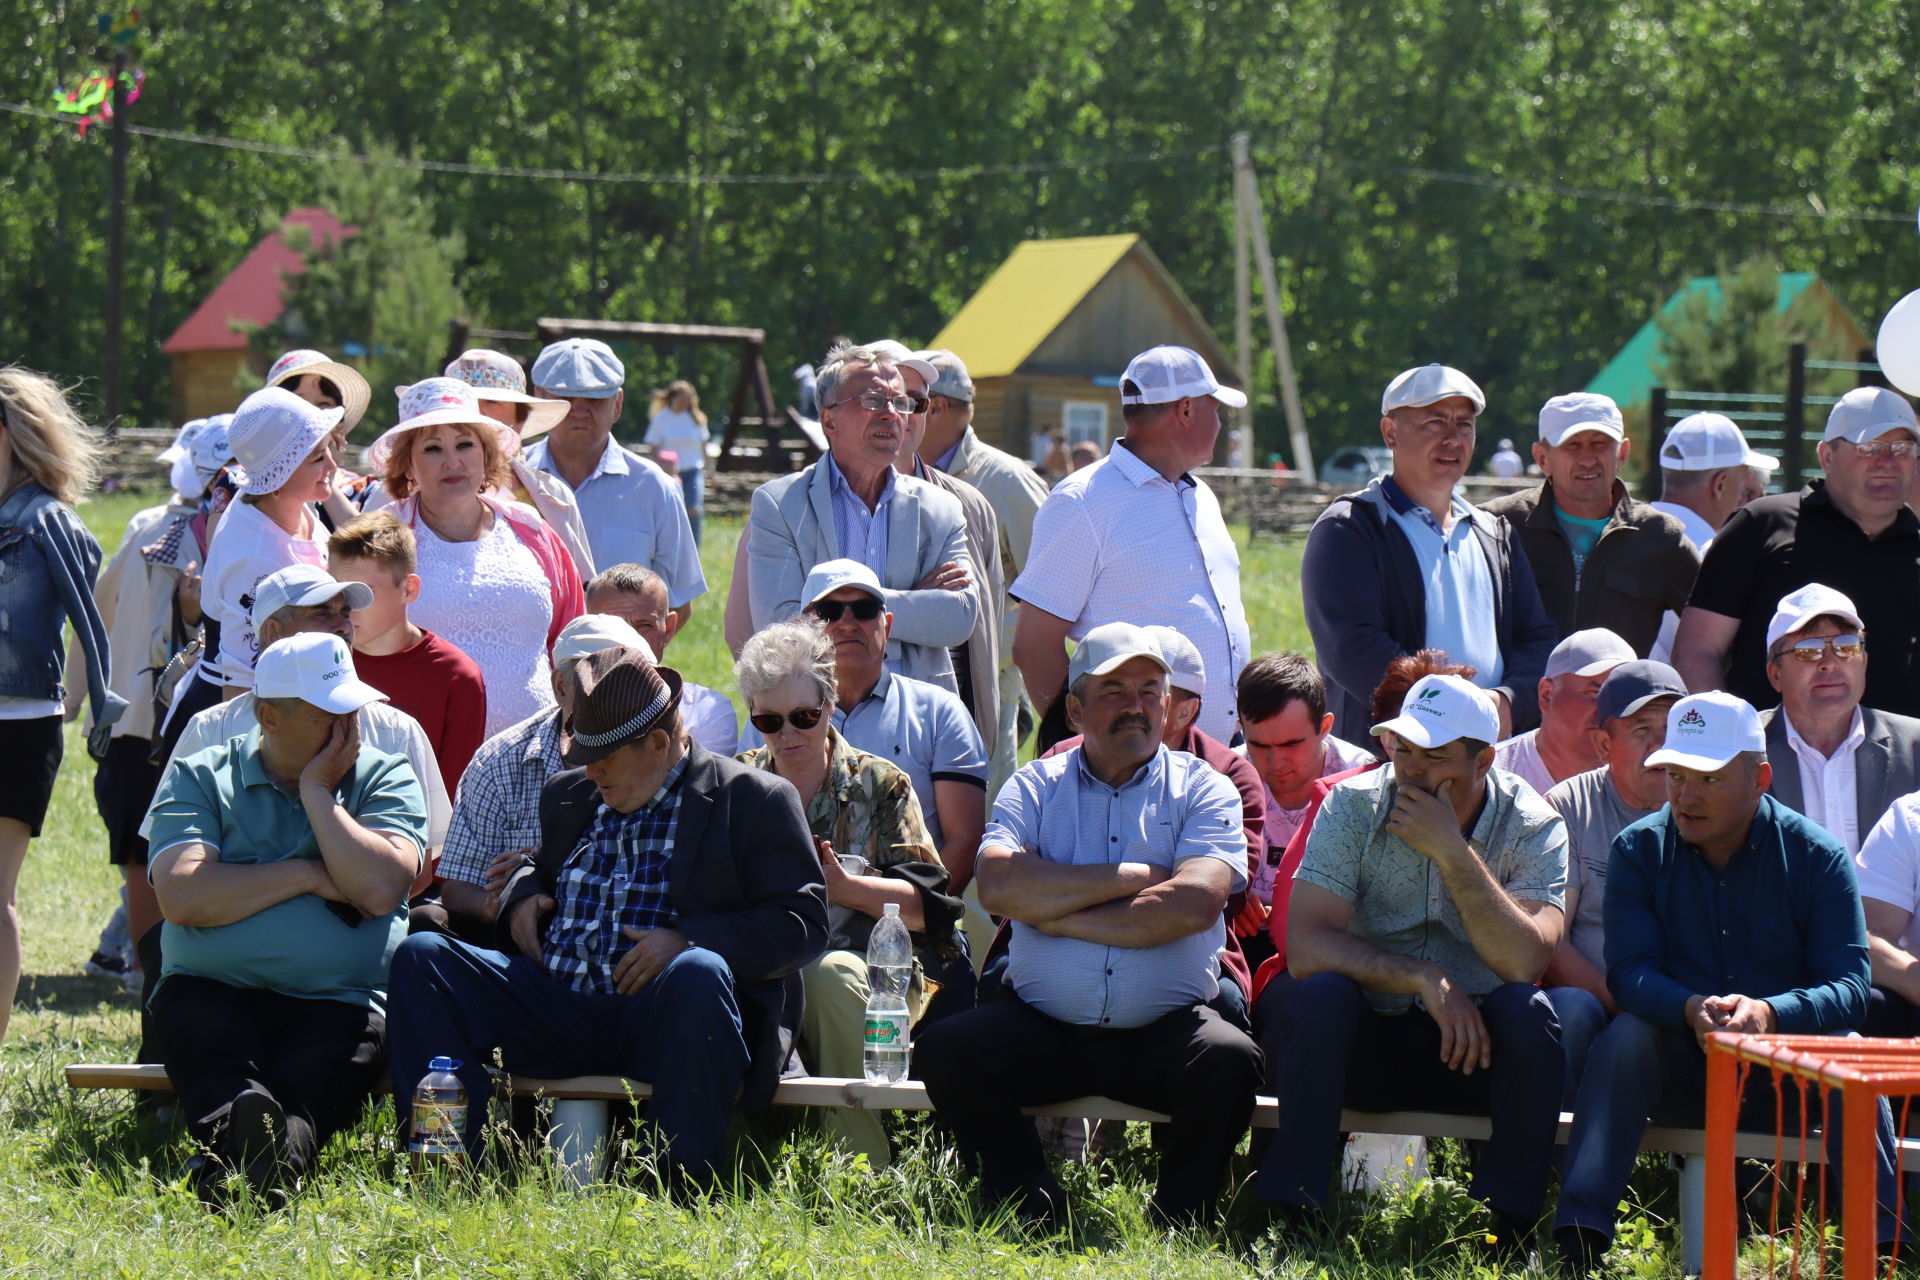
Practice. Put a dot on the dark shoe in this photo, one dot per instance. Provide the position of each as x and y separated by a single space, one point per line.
1299 1229
1039 1206
1582 1250
255 1142
1509 1245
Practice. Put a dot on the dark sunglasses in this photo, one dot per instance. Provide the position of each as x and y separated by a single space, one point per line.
771 722
865 610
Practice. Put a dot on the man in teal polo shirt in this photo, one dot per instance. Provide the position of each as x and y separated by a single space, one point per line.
281 860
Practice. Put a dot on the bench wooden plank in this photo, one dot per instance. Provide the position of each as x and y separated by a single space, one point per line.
911 1095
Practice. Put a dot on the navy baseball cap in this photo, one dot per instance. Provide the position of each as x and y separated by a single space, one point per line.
1632 685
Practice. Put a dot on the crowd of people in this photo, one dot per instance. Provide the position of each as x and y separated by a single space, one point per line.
397 770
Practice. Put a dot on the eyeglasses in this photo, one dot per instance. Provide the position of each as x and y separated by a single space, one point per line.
1814 648
771 722
864 610
874 402
1879 449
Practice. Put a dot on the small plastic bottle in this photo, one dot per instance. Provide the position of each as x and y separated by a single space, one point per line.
435 1137
888 1039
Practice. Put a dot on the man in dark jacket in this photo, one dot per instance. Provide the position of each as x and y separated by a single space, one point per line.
1600 558
1403 565
659 934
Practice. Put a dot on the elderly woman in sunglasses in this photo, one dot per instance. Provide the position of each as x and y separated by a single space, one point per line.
874 849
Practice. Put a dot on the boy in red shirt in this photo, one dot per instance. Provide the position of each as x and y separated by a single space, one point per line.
421 674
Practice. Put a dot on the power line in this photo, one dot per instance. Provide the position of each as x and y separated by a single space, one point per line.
1483 181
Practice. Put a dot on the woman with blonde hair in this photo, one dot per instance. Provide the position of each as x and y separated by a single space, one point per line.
496 581
49 563
860 809
676 423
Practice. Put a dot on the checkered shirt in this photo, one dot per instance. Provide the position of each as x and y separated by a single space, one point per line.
498 805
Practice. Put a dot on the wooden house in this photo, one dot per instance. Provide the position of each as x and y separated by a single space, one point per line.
1048 335
213 366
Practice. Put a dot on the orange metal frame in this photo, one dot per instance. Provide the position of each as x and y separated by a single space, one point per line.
1863 1070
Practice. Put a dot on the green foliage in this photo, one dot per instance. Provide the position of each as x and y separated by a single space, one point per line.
1736 338
386 289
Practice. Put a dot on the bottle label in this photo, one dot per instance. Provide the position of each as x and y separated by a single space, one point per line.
437 1127
886 1030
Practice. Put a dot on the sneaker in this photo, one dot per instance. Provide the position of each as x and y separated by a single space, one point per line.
110 967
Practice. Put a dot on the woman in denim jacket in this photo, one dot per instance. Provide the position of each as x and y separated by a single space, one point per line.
48 563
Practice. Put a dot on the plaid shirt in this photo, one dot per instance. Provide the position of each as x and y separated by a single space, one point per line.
616 876
498 805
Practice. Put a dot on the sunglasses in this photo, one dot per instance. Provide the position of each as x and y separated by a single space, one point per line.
865 610
771 722
1813 649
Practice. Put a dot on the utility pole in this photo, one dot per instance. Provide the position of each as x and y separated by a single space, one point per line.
110 374
1247 196
1243 294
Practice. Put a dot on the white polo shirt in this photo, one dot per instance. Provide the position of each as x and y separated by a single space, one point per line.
1827 791
1119 542
1888 864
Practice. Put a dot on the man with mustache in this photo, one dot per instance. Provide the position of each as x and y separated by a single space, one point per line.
1114 860
1600 558
1426 907
1405 565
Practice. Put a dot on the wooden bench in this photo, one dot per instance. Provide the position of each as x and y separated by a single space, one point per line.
581 1123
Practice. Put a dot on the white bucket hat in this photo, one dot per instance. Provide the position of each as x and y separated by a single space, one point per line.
435 402
272 433
498 377
355 394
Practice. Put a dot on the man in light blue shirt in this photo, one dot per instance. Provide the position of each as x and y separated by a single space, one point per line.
634 511
1114 860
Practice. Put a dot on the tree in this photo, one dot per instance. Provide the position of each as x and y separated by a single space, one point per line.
1735 337
385 293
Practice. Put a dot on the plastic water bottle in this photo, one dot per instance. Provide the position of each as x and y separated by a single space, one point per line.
439 1117
888 1039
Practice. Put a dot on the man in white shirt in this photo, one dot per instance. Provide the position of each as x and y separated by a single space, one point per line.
1707 472
633 511
295 601
1135 538
638 596
1505 463
1837 762
1564 744
1889 872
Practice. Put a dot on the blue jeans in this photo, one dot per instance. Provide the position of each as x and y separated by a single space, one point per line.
1639 1072
1327 1048
680 1033
1582 1019
693 487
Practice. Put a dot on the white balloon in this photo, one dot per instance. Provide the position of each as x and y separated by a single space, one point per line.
1898 345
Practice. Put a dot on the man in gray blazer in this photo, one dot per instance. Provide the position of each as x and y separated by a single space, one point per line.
853 504
1839 763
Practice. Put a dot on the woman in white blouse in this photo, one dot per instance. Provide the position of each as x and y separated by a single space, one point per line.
495 580
677 423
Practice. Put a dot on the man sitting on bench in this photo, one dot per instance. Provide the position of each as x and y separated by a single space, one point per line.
281 861
1434 884
659 934
1725 911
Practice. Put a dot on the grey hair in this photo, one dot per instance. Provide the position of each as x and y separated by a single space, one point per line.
840 362
782 650
634 579
1672 481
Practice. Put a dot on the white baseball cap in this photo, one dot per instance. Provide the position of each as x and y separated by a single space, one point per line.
1443 709
1111 645
182 442
1592 652
901 354
1166 374
299 585
1708 442
1429 384
584 367
1579 411
1705 730
1186 669
1798 608
1867 413
592 632
829 576
953 380
315 667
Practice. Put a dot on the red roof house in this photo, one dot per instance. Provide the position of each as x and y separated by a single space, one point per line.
212 363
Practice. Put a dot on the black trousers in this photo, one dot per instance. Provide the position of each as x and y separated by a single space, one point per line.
981 1067
319 1059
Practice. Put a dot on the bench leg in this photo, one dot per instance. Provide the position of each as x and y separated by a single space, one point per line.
578 1137
1693 1211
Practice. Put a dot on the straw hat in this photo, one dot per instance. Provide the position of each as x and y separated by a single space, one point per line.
498 377
355 394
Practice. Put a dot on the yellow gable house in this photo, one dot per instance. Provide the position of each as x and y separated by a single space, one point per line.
1048 334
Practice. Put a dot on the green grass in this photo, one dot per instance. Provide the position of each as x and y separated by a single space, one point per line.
89 1188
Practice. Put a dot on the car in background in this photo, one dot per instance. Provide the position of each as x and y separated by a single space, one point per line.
1352 466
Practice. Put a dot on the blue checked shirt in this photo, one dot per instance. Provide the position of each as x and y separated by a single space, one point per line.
498 805
616 876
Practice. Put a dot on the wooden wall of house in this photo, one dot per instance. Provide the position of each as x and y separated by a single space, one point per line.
1127 312
1007 411
210 382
